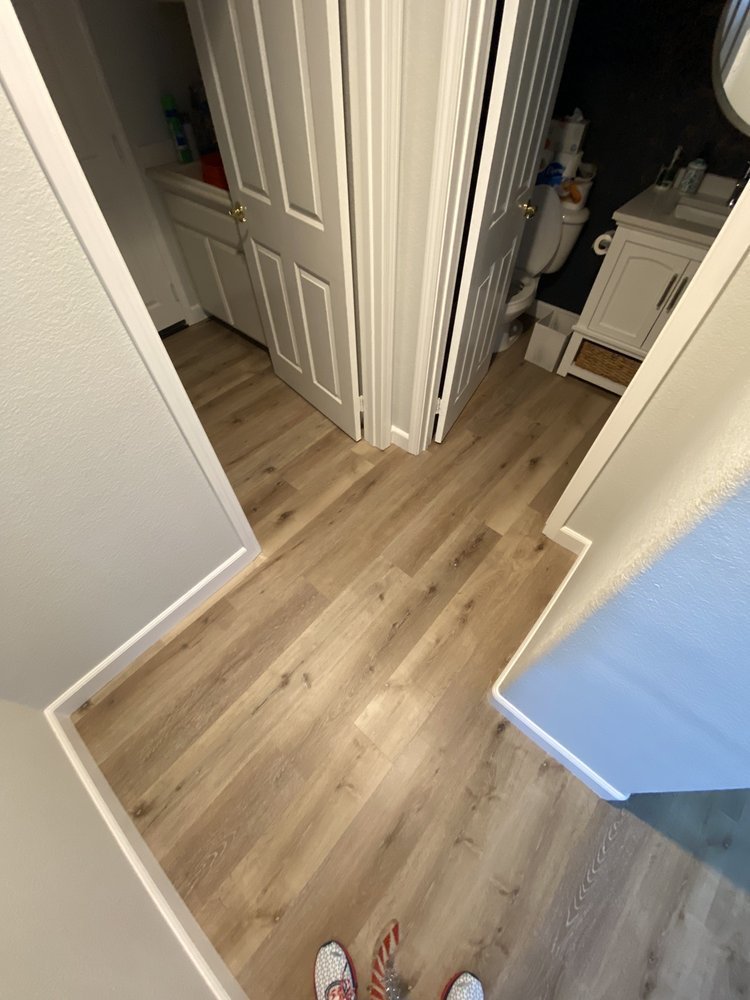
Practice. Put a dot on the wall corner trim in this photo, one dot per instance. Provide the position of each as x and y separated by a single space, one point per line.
577 543
103 672
590 778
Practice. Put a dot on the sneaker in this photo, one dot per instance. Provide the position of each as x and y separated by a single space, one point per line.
335 978
464 986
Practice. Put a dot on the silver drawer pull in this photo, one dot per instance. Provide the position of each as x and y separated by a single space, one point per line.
667 290
677 294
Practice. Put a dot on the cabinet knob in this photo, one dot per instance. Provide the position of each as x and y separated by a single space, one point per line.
238 212
529 210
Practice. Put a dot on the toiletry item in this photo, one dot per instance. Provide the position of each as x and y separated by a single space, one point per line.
175 127
695 171
187 128
666 175
602 243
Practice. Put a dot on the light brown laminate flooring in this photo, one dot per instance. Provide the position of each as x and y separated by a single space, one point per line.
315 753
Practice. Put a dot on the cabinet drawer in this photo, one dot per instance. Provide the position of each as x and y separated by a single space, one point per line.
202 219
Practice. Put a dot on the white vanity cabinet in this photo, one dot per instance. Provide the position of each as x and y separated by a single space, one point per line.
660 240
210 242
639 285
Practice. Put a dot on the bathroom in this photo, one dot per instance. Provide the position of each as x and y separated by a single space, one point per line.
642 75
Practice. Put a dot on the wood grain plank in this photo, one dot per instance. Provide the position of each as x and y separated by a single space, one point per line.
314 753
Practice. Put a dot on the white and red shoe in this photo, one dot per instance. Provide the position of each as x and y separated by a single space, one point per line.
335 978
464 986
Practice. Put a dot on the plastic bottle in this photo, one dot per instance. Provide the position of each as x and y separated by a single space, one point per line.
695 171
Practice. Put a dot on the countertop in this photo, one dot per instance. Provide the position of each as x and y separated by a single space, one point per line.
185 179
653 210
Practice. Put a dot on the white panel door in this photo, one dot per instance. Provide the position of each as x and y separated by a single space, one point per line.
533 41
272 70
62 47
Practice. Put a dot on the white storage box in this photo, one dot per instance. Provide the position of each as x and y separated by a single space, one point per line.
549 336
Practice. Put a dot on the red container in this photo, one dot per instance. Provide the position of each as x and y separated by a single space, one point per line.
213 170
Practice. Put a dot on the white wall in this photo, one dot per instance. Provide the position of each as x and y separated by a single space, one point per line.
107 516
145 50
75 921
689 449
636 667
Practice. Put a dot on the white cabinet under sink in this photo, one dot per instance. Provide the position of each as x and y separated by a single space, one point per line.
211 246
653 256
640 285
641 280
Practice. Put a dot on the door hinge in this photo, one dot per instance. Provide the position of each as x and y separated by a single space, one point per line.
361 404
438 405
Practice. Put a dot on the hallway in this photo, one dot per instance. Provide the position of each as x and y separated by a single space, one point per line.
315 754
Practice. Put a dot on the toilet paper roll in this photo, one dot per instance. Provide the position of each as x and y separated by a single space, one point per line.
602 242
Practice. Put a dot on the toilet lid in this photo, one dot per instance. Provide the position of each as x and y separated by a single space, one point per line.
541 234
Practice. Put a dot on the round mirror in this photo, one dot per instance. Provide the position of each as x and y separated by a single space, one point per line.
731 63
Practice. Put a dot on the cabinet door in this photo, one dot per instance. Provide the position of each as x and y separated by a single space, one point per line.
221 280
671 301
641 282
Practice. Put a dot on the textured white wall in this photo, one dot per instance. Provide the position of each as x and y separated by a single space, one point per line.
106 515
688 450
75 922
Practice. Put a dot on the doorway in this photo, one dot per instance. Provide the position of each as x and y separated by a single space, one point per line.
252 227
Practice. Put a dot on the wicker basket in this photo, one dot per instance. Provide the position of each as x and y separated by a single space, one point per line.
606 362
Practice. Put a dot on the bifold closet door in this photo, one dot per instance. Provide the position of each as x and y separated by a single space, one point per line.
272 70
533 42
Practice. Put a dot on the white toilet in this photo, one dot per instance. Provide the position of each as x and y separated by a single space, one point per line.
548 238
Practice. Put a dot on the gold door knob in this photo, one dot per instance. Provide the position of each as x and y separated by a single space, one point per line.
529 210
238 212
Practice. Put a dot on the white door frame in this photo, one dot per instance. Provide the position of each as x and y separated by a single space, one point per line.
466 40
372 58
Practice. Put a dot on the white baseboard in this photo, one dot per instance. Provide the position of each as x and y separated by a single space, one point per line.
574 542
165 897
399 437
173 910
548 743
66 703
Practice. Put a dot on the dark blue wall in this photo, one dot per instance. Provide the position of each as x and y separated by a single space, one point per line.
641 72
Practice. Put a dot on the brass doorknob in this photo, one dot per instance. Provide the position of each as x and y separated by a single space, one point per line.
529 210
238 212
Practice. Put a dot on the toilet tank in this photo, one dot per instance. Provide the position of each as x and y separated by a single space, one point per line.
572 224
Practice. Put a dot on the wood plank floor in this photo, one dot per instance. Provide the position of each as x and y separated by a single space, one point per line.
314 754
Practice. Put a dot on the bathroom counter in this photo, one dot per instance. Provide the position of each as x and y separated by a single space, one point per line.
654 210
185 179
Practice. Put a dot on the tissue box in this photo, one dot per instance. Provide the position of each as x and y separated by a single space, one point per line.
565 136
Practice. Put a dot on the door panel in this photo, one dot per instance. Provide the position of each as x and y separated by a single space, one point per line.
273 72
641 283
62 47
532 45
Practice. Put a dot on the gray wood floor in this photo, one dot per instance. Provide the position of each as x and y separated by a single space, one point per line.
314 753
